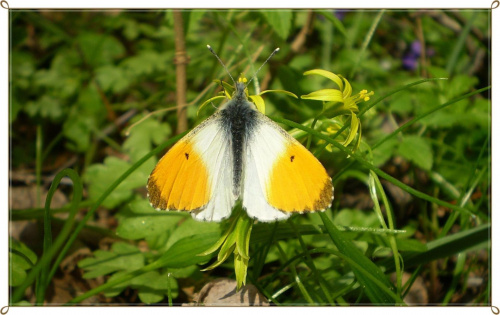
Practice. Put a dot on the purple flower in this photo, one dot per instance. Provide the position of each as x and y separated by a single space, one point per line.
340 14
410 59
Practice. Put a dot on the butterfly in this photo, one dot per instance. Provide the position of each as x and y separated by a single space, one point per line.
239 153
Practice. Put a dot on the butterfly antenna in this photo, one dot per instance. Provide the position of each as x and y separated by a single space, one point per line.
213 52
272 54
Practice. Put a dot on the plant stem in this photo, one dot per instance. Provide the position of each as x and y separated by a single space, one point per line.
181 60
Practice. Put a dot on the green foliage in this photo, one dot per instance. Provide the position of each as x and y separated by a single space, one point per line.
87 78
21 260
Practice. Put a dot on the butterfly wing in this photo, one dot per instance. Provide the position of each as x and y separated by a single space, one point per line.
195 173
281 176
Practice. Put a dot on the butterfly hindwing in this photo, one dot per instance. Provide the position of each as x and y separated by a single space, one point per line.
281 174
187 178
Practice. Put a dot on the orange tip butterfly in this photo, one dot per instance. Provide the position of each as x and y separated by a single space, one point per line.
239 153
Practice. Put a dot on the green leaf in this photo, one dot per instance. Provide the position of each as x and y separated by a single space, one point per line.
280 21
46 107
374 291
191 227
99 49
100 176
143 136
122 257
153 286
185 251
21 259
85 117
417 150
208 102
335 21
384 152
144 221
279 91
447 246
112 78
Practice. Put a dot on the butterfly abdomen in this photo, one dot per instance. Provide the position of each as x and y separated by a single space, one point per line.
239 119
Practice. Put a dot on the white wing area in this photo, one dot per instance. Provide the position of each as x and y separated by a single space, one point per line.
211 142
263 148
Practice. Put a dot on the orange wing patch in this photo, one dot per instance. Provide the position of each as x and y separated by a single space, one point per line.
298 182
179 180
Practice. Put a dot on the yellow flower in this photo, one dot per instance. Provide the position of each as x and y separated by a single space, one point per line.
337 102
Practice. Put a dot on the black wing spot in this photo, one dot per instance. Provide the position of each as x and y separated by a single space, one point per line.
292 158
187 156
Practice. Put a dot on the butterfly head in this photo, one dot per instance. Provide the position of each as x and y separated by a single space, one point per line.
241 92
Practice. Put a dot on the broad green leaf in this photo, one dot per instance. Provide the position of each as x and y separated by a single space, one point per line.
85 117
280 20
46 107
192 227
21 259
99 49
417 150
100 176
384 152
153 286
185 252
144 136
145 63
112 78
121 257
145 221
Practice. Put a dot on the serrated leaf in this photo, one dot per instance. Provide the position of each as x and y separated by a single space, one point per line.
46 106
280 21
112 78
143 136
417 150
99 49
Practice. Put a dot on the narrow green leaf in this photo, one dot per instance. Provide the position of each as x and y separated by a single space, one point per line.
280 20
279 91
373 290
446 246
208 102
335 21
